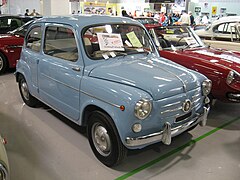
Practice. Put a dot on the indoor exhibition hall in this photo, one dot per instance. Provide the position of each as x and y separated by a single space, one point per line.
119 89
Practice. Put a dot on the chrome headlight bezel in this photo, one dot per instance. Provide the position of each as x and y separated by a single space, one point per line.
143 109
232 75
206 87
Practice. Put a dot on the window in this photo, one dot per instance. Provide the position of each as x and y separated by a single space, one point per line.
225 28
219 29
34 37
61 43
111 40
11 23
231 28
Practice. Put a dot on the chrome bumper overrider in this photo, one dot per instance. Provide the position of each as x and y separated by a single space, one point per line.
167 133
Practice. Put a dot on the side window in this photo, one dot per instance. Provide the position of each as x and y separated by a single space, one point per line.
4 22
33 40
60 42
231 28
219 29
14 23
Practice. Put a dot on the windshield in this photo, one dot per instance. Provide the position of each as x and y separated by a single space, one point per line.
147 20
21 30
177 37
111 40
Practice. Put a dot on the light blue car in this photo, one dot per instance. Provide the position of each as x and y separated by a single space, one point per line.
105 73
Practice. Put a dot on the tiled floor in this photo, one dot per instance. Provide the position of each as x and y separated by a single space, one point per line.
43 145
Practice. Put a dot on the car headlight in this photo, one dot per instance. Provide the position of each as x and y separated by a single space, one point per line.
3 173
143 108
206 87
233 77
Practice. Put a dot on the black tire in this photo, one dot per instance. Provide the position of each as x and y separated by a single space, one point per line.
25 94
3 63
107 147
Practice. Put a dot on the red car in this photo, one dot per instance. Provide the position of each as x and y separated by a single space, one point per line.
148 22
11 46
181 45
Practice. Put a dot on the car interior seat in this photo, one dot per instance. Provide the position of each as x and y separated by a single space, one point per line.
88 45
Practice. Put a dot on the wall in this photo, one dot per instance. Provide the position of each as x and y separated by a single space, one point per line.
16 7
132 5
60 7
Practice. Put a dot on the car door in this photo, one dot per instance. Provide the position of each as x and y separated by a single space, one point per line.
60 70
32 55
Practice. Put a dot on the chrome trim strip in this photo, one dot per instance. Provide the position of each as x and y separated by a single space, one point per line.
172 104
194 107
171 110
195 101
196 95
184 85
115 105
158 136
60 82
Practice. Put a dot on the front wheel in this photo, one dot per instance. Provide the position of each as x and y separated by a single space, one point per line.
104 139
25 94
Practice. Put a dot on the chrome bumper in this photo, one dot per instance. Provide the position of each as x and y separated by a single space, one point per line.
167 133
233 97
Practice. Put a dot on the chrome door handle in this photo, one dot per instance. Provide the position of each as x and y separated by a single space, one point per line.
76 68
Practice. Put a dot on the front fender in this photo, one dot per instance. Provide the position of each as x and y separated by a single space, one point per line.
109 96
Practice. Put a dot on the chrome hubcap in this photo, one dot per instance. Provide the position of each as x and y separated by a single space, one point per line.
101 139
24 89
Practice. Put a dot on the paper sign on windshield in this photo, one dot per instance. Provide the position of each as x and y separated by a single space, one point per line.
191 41
133 39
110 42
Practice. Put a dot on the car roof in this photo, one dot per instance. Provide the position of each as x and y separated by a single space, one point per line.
16 16
226 19
86 20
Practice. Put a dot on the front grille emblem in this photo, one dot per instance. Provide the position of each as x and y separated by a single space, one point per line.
186 105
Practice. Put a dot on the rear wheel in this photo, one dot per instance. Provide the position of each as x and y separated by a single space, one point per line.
3 63
25 94
104 139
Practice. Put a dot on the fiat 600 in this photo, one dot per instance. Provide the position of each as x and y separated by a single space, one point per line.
106 74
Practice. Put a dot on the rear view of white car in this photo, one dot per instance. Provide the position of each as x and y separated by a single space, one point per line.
223 33
222 29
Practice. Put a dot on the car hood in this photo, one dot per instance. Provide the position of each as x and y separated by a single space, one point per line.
159 77
10 37
6 36
229 59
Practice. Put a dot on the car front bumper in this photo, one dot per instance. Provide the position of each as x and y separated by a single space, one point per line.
234 97
167 133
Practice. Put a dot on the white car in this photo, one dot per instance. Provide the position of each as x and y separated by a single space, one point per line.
222 29
4 165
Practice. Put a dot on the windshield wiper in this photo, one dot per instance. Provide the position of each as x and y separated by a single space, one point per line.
189 46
